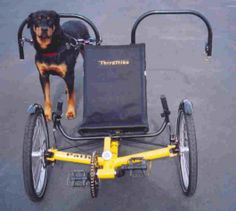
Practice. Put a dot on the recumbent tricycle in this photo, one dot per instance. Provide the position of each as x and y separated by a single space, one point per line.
115 110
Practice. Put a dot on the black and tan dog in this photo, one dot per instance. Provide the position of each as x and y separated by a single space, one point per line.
54 55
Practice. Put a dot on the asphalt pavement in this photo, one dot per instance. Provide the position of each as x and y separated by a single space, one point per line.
176 67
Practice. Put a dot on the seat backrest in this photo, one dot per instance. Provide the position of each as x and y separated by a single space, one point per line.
114 89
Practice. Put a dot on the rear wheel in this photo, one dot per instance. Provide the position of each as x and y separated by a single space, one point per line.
36 143
188 161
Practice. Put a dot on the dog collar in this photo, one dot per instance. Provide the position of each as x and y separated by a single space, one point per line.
50 54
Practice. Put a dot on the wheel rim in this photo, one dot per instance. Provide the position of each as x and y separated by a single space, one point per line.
184 152
39 146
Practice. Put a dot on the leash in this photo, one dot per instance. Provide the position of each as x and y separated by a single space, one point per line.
77 43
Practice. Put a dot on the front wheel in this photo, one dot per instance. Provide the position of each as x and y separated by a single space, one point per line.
36 143
187 160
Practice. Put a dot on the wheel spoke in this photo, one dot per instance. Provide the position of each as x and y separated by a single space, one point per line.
41 179
35 172
41 134
186 137
184 152
36 134
39 142
36 143
185 172
38 177
186 164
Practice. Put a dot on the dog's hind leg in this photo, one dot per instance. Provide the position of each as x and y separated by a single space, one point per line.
45 83
69 79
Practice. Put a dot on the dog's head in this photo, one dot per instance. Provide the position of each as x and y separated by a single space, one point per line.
44 25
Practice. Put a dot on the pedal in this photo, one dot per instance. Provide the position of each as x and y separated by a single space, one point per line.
138 167
78 178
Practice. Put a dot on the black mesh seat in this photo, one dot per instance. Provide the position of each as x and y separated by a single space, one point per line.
114 90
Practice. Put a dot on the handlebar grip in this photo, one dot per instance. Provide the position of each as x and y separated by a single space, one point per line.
59 108
164 103
21 52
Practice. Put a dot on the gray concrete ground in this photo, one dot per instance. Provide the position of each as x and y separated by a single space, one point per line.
175 66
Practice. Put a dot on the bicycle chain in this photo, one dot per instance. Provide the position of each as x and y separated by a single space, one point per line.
94 182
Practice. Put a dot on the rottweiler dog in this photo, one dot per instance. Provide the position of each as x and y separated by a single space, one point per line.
55 55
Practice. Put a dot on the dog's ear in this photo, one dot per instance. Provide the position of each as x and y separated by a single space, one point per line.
57 18
30 20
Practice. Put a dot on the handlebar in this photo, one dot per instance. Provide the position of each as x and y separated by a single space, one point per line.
208 47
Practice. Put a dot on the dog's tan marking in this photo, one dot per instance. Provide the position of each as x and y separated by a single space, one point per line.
59 69
51 30
47 102
70 114
37 30
44 42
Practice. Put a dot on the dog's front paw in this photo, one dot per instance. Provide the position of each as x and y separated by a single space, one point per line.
48 113
70 114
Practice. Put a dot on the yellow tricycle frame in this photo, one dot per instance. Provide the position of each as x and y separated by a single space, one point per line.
110 161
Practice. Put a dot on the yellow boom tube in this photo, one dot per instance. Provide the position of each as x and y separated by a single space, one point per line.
110 161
